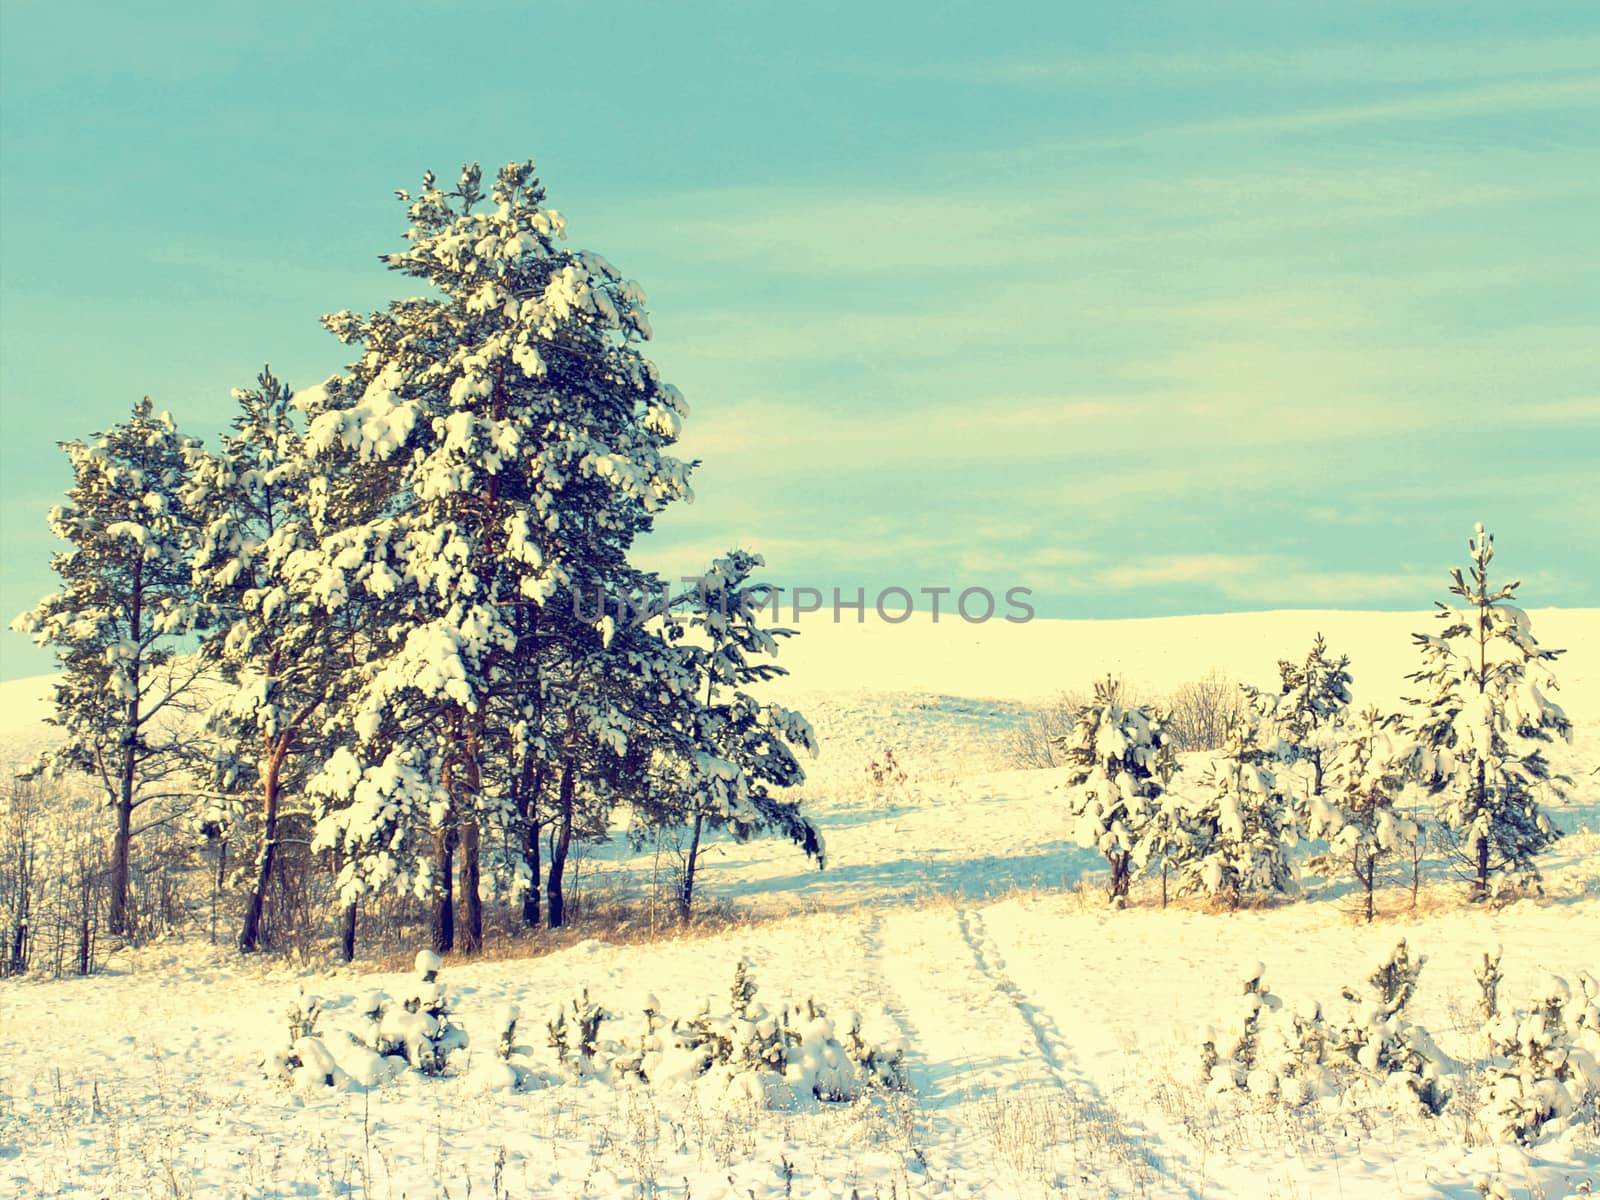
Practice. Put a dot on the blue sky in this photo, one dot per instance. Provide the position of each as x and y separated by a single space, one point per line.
1155 308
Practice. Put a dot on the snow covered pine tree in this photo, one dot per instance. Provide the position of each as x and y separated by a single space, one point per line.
1118 757
1357 814
1243 829
1481 723
125 605
736 749
283 656
519 441
1311 706
522 435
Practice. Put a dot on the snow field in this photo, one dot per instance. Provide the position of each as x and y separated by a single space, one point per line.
1050 1049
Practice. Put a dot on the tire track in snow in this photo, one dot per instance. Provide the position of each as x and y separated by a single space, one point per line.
1052 1047
918 1070
1137 1146
974 1040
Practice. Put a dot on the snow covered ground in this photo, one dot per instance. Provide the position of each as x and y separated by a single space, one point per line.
1053 1045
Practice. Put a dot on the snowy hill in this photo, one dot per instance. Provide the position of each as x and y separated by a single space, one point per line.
1042 657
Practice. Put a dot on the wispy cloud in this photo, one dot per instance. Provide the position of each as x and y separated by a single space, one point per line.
1346 64
1461 102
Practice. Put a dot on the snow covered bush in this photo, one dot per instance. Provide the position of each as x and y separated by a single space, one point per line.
417 1027
1545 1063
576 1042
1394 1052
1481 723
1118 761
754 1049
303 1060
386 1036
1228 1057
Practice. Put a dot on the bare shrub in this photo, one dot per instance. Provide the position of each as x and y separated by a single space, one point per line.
1035 742
1200 712
53 878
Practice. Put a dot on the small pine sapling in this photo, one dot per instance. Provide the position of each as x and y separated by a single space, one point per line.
577 1045
421 1023
1488 976
1378 1039
1244 828
303 1061
1358 815
881 1064
1311 707
1228 1058
1545 1067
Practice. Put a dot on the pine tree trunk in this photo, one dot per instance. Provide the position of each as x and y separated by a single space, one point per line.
117 918
1370 879
17 959
1119 874
556 907
1480 884
532 785
250 937
471 901
444 904
347 933
530 856
686 896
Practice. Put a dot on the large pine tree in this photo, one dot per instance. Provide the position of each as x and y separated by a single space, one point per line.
1481 722
523 441
284 659
119 622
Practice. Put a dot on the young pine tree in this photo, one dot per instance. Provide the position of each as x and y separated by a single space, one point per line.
1244 828
1312 705
120 619
1117 758
1481 721
1358 814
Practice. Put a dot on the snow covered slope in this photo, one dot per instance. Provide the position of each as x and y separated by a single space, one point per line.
24 705
1039 658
